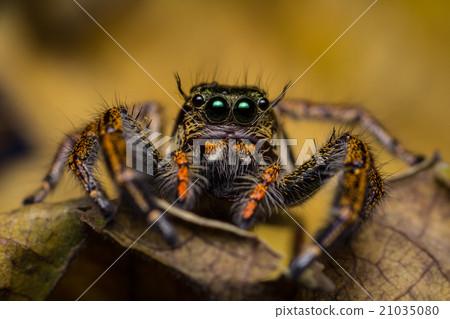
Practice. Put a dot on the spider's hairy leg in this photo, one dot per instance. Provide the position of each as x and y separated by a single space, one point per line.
183 175
56 168
181 181
81 161
360 188
148 115
111 131
300 109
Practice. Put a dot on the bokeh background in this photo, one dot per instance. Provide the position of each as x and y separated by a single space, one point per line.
57 66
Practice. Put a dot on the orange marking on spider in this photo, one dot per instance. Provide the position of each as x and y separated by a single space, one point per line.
269 176
183 174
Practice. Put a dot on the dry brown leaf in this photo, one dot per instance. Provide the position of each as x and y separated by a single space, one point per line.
37 243
218 257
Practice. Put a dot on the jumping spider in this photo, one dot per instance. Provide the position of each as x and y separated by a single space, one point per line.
248 189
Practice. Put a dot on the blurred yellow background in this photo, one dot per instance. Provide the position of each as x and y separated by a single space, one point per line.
56 65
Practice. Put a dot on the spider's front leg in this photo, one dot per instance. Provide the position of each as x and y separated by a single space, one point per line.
81 149
359 189
112 133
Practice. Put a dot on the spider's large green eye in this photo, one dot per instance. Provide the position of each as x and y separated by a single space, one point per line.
244 111
217 109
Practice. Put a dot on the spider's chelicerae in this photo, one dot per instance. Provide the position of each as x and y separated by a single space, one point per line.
224 156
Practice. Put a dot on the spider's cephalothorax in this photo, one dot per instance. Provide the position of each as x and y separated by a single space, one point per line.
225 132
225 157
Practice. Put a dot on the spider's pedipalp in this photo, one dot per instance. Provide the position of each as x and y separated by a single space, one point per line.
183 175
258 196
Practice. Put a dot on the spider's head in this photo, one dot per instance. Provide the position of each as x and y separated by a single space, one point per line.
223 111
232 105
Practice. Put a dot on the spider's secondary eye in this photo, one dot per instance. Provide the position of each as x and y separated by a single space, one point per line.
263 104
198 100
244 111
217 109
